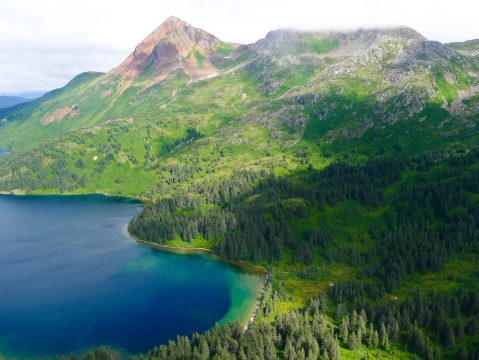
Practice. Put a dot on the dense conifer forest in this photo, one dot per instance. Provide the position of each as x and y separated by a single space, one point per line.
426 212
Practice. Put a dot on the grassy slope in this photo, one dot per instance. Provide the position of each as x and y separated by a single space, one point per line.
24 127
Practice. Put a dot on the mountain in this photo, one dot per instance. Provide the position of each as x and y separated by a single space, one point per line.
9 101
173 45
344 162
183 92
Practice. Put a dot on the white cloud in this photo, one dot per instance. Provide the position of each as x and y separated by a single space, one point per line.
43 44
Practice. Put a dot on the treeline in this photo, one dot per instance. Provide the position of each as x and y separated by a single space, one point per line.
428 219
255 211
428 224
201 210
430 216
263 228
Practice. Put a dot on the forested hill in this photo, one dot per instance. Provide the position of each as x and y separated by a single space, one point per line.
344 162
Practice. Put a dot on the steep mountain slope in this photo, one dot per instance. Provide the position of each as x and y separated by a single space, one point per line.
173 45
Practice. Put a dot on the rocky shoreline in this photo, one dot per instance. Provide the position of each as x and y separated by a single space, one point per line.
260 303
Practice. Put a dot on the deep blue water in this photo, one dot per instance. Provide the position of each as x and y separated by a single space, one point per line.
71 279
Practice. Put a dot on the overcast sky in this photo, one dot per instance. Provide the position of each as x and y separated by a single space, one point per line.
44 43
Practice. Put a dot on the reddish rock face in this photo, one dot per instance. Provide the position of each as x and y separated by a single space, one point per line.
60 114
170 46
165 53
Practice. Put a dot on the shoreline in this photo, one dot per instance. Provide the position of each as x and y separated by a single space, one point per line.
252 311
14 192
22 193
176 249
259 302
198 250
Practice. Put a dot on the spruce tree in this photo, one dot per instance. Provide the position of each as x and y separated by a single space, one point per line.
383 336
344 329
373 340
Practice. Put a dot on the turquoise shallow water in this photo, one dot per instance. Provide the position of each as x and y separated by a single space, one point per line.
71 279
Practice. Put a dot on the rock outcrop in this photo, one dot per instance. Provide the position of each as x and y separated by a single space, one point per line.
60 114
174 45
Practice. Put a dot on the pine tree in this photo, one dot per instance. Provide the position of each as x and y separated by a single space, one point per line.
449 337
383 336
394 330
353 342
373 340
353 324
325 355
289 351
341 311
472 328
241 354
323 303
362 321
344 329
417 341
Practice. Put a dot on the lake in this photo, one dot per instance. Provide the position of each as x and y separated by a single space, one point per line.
71 279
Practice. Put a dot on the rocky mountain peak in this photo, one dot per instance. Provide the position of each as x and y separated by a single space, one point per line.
174 44
290 41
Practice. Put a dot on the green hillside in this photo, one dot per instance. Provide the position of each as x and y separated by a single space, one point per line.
345 163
